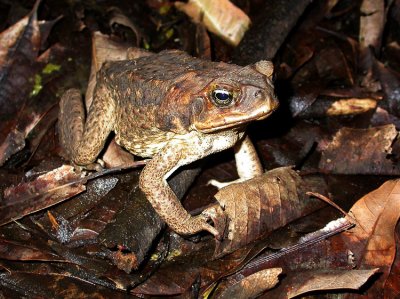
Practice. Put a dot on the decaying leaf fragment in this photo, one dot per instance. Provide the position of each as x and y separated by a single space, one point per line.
220 17
372 23
251 286
351 106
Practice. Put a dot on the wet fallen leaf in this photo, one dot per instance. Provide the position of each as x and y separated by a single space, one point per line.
45 191
10 250
53 285
19 48
360 151
21 81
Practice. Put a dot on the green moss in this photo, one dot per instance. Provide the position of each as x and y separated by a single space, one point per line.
37 86
146 45
163 10
50 68
169 33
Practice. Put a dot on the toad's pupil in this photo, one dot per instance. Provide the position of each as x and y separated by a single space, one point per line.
222 95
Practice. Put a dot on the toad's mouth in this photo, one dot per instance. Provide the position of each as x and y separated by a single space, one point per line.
222 122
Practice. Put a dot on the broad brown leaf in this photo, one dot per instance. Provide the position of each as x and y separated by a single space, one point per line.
261 205
372 240
370 245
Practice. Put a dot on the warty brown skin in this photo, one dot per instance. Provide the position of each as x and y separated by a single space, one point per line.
176 109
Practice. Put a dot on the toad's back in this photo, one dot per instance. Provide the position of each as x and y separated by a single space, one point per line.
141 89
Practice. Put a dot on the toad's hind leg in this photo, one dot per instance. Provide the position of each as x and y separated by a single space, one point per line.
82 140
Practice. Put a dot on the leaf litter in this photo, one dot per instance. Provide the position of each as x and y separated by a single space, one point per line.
338 86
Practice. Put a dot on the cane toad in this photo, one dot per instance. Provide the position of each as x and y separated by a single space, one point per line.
176 109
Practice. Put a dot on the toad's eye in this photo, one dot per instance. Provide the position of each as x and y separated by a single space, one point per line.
222 97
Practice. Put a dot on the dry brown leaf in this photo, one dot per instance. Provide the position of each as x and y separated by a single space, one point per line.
372 23
360 151
370 246
323 280
261 205
220 17
372 241
376 215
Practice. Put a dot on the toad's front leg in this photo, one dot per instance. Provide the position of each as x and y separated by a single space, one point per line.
153 182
